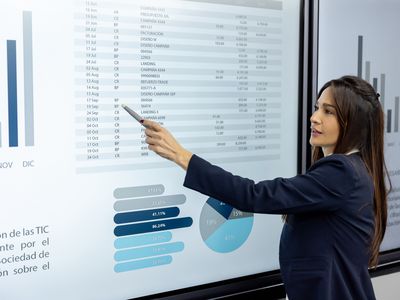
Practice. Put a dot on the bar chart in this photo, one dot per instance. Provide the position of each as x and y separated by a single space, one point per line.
389 106
19 58
145 219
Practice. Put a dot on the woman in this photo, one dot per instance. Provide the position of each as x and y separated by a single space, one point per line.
335 213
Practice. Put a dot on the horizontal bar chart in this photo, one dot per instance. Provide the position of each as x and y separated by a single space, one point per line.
145 221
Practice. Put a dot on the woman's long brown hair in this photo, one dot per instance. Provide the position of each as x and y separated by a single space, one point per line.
361 123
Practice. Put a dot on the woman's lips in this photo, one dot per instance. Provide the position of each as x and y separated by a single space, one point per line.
315 132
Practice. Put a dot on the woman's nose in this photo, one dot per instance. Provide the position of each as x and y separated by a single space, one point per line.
314 118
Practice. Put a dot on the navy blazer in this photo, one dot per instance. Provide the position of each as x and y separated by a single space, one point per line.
324 246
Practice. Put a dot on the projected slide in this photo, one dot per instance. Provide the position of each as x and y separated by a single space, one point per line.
364 56
87 211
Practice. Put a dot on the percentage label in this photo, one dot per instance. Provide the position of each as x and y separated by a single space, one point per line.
158 213
157 226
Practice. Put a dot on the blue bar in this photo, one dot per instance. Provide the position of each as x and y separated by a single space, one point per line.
144 263
12 93
139 191
143 252
144 215
28 78
149 202
375 83
383 84
396 114
360 56
153 226
389 121
141 240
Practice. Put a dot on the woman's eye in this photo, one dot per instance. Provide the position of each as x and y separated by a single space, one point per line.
315 107
327 111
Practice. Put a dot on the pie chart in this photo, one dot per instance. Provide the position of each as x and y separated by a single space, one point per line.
224 228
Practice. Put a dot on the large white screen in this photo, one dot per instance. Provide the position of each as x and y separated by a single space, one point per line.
358 37
87 212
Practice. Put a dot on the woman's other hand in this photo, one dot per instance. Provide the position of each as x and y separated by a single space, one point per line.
162 142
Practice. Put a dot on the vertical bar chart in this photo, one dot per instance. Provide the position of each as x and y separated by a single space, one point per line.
19 60
379 84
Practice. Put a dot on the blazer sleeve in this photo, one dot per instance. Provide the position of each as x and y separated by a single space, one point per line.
322 188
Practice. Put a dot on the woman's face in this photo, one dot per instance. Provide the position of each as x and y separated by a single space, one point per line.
324 123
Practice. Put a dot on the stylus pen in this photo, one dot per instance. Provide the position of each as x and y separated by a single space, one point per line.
133 114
